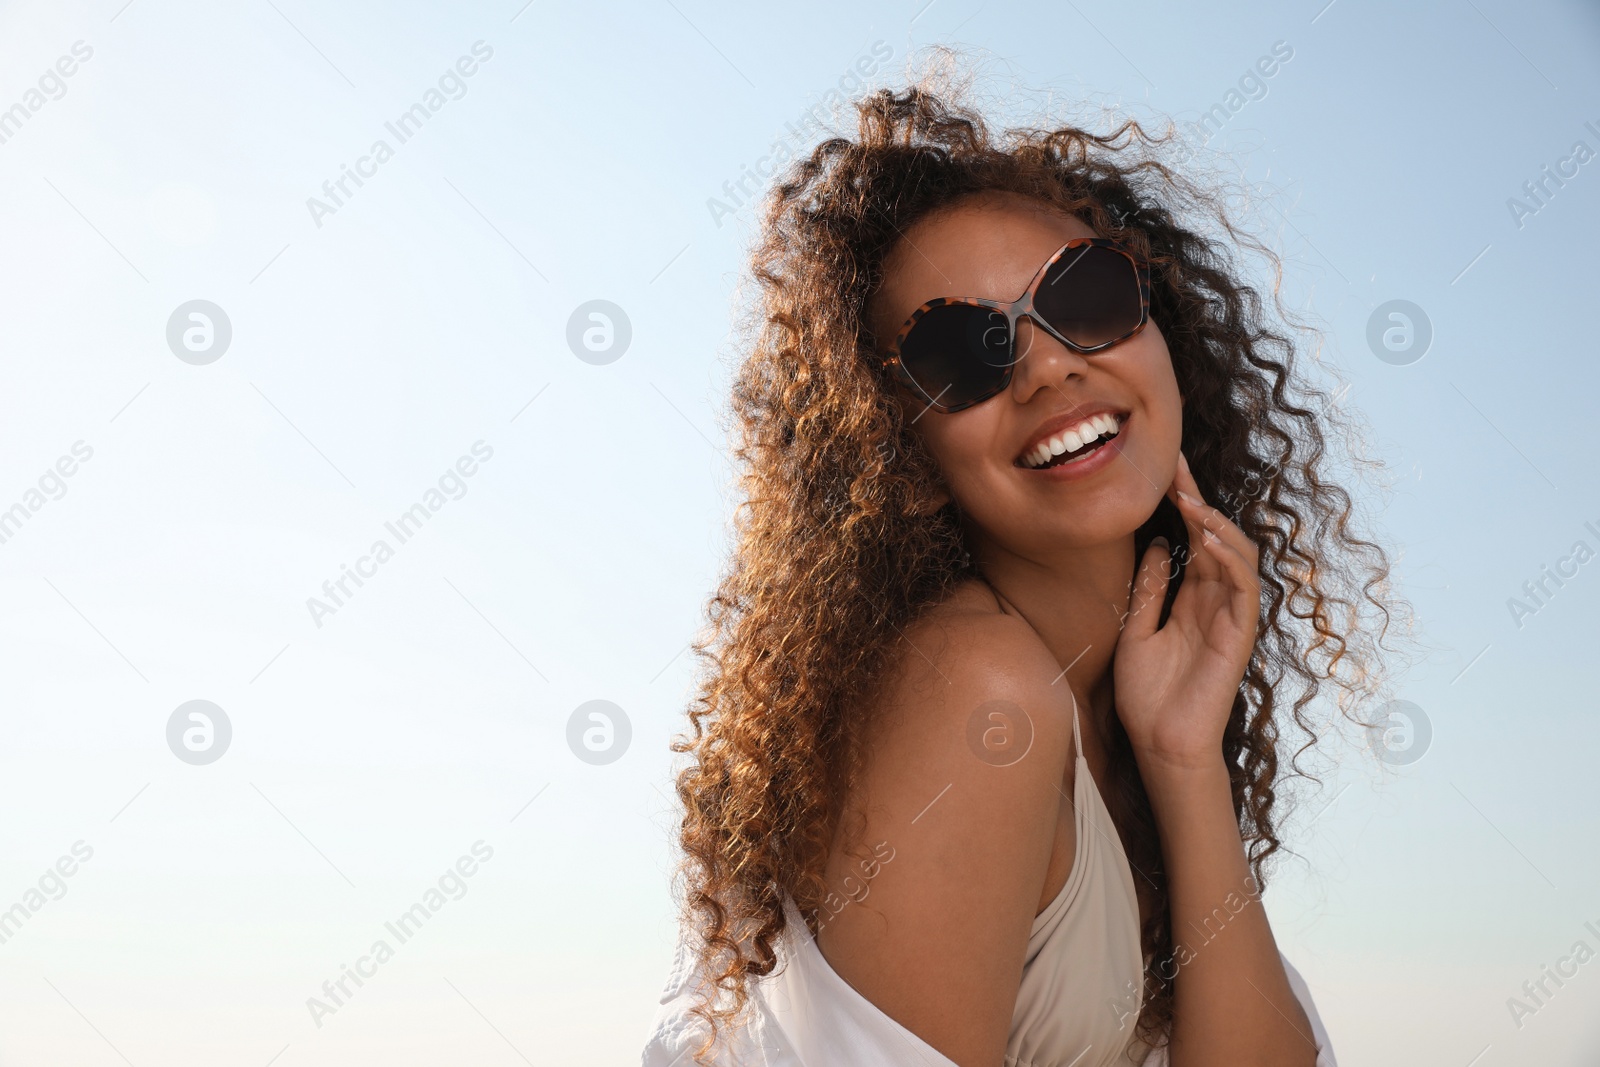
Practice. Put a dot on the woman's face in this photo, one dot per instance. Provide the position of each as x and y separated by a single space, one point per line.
991 246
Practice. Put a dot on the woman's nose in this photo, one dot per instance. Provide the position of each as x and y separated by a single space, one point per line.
1041 360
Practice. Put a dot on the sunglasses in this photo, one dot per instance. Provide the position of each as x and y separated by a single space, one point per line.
957 351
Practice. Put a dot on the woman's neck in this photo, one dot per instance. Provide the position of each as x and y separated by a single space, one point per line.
1077 601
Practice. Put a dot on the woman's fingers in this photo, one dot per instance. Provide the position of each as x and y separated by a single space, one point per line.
1217 521
1150 586
1201 563
1211 518
1224 552
1243 582
1224 527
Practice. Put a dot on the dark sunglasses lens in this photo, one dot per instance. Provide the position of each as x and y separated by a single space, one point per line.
1090 296
958 353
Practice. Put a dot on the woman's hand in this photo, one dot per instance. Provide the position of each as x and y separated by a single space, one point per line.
1175 686
1174 690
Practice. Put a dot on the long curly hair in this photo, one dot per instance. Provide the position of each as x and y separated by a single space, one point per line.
837 549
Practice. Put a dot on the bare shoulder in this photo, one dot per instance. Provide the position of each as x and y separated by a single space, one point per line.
958 802
965 661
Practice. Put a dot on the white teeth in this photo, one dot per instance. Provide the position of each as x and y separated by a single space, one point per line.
1084 433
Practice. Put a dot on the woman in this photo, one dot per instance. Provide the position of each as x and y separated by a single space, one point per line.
985 767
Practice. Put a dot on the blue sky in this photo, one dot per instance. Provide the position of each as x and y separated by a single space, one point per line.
373 347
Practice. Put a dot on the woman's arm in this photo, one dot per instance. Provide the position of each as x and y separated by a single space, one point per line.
937 938
1175 688
1233 1004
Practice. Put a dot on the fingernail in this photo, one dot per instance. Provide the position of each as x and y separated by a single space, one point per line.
1187 498
1160 542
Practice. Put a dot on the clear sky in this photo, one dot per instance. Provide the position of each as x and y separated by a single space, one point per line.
413 343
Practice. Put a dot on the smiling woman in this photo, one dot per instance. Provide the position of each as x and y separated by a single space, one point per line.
982 614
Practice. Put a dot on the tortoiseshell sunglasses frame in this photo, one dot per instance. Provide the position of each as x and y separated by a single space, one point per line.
1015 310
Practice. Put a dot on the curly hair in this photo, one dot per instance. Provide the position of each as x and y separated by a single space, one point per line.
837 550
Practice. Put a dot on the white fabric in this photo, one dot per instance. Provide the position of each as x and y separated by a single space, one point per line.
815 1019
1082 977
1081 983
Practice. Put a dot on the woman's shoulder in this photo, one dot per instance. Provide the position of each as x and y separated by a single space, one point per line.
968 690
963 653
960 796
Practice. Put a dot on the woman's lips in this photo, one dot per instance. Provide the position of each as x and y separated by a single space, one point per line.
1069 435
1087 464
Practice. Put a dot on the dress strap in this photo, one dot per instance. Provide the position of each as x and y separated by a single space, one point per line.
1011 609
1077 738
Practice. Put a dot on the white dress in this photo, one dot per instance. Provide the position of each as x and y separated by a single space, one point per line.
1080 993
